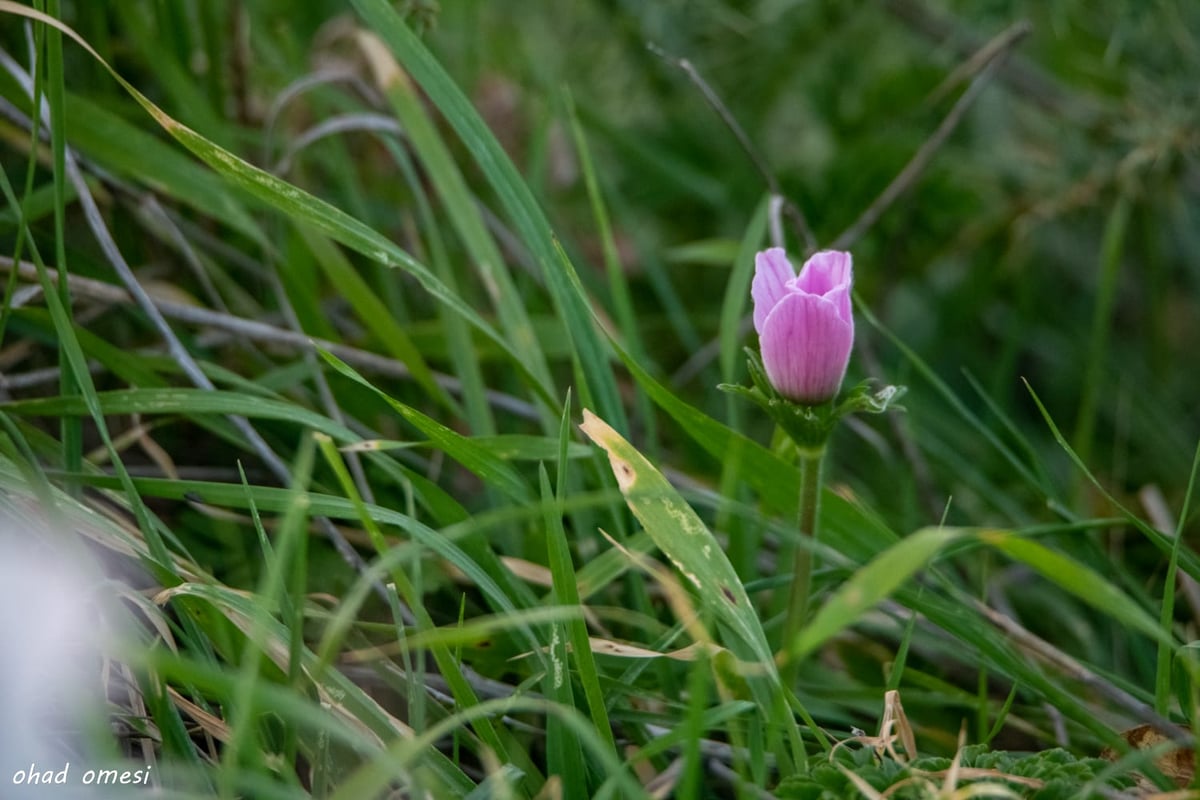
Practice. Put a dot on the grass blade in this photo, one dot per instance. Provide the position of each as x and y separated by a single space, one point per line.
566 592
871 584
570 302
687 542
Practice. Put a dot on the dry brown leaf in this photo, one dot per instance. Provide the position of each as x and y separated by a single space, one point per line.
552 789
1177 764
211 724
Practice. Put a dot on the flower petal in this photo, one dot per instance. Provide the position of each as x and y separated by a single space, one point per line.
772 274
805 347
828 273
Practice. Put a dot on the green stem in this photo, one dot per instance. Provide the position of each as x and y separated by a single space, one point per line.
811 465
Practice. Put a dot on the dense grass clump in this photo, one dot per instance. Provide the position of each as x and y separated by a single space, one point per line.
359 424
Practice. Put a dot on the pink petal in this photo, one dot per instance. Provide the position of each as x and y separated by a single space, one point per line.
772 273
805 347
830 274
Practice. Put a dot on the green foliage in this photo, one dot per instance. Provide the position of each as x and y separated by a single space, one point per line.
809 426
329 462
1053 774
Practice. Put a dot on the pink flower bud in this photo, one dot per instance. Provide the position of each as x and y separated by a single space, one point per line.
804 322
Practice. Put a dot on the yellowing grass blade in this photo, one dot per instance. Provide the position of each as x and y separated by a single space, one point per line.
683 538
688 543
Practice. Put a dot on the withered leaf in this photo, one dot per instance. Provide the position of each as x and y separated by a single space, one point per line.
1177 764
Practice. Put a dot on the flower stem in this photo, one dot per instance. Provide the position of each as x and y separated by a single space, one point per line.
811 466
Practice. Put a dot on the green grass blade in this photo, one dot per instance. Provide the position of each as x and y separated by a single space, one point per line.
460 687
462 350
244 745
737 293
374 777
1162 676
460 208
72 429
509 446
566 592
871 584
618 283
569 299
301 207
1097 358
347 712
688 543
183 401
76 363
479 460
1189 558
373 313
564 756
956 403
1081 581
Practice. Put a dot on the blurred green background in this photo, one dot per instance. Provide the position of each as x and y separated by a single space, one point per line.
993 265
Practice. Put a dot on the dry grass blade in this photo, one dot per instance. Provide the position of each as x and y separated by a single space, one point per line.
677 597
780 203
211 724
1073 669
608 647
663 784
893 726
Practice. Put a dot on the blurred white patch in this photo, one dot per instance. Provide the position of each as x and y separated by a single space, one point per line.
53 617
